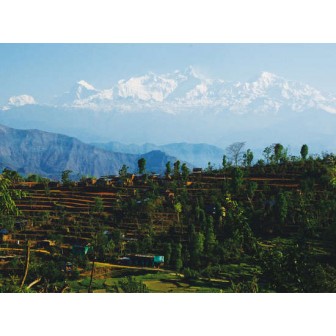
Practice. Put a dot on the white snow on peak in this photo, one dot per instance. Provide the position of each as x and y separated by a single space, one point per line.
86 85
21 100
148 87
187 89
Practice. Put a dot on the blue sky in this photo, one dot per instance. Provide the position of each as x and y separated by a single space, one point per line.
43 70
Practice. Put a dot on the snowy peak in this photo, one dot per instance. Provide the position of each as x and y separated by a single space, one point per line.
80 91
148 87
189 90
21 100
86 85
267 79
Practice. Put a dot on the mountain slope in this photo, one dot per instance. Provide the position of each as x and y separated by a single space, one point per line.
48 154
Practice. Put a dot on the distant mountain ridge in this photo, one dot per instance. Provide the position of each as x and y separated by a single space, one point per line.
48 154
197 154
183 90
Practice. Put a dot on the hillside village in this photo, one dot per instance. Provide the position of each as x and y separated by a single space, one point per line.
244 227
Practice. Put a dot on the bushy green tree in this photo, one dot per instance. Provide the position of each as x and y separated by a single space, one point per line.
176 257
304 152
278 152
237 179
248 158
123 171
167 253
66 177
185 171
142 165
210 238
196 249
8 196
177 169
98 205
132 285
168 169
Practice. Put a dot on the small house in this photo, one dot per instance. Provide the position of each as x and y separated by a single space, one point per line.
5 235
197 170
81 250
68 268
45 243
146 260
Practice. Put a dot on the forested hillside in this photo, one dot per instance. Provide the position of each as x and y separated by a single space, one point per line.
263 227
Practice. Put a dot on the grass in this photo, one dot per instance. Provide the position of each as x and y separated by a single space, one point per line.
163 282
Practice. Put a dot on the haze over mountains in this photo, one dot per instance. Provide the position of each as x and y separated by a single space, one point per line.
197 154
186 107
48 154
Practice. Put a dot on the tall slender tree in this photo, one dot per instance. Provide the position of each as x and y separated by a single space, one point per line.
304 152
142 165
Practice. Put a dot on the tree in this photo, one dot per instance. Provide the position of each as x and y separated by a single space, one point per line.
185 171
248 158
98 205
12 175
209 169
234 152
176 257
210 237
177 169
224 162
304 152
237 179
278 152
123 171
7 196
132 285
168 169
167 253
66 177
178 210
142 165
281 207
197 248
267 153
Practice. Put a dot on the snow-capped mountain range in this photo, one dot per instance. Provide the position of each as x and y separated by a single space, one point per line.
185 107
186 90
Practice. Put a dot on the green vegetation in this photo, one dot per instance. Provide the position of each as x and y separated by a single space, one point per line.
267 227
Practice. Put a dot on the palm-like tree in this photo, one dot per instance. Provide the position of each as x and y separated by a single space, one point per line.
7 196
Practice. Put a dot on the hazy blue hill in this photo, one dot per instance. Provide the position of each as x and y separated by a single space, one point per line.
48 154
196 154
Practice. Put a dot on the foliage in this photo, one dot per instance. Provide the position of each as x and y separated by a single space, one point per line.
131 285
185 171
123 171
98 205
8 196
304 152
248 158
190 274
168 169
177 169
66 177
142 165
